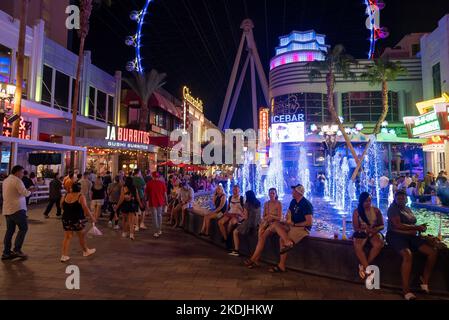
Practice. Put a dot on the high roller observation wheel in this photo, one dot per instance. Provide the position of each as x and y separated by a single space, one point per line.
373 8
136 40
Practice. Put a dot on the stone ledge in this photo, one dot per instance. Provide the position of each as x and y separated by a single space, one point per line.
333 258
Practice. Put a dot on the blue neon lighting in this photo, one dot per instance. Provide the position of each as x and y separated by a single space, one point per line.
139 67
372 39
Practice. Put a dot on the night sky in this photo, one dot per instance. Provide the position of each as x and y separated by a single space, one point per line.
195 41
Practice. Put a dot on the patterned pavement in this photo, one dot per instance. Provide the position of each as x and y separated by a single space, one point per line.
177 266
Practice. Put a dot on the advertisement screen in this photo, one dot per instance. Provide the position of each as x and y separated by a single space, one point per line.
288 132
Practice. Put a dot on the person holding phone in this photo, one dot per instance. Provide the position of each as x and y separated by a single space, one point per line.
404 236
368 223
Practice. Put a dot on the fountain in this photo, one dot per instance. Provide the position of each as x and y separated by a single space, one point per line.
303 172
328 181
228 187
335 168
390 195
342 186
275 177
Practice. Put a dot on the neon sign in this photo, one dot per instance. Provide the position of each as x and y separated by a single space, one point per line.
127 135
263 124
24 129
426 128
195 102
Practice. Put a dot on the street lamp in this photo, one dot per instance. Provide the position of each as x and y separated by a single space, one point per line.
330 133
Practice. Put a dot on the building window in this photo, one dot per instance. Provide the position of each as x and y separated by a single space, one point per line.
416 48
436 76
62 87
47 79
101 106
5 64
92 99
367 106
313 105
111 108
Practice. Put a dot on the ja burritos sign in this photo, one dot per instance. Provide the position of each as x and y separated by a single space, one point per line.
123 138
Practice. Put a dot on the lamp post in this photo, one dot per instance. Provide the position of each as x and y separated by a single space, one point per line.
330 133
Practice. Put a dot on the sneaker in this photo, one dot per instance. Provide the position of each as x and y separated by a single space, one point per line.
234 253
142 226
110 224
117 227
124 235
156 235
46 216
20 254
89 252
131 236
10 256
65 259
409 296
160 233
136 228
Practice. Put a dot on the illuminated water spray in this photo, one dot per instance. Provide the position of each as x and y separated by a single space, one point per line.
275 176
376 173
341 187
335 176
228 187
328 181
390 195
304 172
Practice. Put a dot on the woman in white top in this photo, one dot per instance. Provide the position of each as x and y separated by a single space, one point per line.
234 214
272 212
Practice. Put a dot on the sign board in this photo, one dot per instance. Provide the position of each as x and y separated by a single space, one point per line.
195 102
25 129
288 132
264 124
124 138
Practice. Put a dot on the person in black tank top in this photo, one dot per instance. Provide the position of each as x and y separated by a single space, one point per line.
220 208
75 209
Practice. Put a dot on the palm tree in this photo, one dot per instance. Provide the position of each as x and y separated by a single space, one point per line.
381 72
20 66
337 62
144 85
85 13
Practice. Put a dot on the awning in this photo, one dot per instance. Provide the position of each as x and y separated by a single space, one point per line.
162 102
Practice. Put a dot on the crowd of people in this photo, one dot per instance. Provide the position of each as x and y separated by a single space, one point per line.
80 198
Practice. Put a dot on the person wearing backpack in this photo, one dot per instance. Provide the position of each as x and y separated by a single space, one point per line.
234 214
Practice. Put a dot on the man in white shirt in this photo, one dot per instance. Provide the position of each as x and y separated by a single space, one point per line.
15 211
186 198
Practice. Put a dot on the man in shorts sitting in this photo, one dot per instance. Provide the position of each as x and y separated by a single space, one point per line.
297 226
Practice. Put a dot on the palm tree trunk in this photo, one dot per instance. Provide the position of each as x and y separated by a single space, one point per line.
20 66
75 105
143 123
330 82
376 130
143 126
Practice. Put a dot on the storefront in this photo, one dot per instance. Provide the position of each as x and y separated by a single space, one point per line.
432 125
121 149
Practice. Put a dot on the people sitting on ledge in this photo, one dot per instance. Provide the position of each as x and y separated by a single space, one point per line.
219 200
272 212
233 215
368 223
404 236
251 213
296 228
186 198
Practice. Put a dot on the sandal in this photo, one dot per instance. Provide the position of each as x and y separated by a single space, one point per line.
287 248
409 296
276 269
251 264
424 287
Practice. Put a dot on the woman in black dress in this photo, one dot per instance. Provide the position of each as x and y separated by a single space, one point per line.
129 205
75 209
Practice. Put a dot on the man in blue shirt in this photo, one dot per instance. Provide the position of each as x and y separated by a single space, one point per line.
297 226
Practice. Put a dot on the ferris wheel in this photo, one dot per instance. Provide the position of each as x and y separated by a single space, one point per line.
373 8
136 40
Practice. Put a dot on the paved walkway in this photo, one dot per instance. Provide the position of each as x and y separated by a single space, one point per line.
176 266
